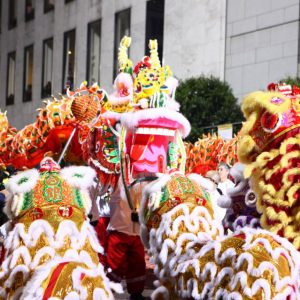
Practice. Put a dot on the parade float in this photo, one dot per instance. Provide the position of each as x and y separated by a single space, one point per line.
128 133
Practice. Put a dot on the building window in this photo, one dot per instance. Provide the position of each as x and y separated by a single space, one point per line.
47 68
69 60
28 74
48 5
155 24
122 27
11 71
93 55
12 14
29 10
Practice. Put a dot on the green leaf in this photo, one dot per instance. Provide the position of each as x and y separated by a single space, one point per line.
207 102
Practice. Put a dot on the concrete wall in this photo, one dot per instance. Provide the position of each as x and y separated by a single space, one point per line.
262 40
261 44
194 37
194 42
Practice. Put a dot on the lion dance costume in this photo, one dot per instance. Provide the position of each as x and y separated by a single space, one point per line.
51 251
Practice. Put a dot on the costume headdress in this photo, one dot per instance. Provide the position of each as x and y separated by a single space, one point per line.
124 62
145 86
271 115
150 140
150 80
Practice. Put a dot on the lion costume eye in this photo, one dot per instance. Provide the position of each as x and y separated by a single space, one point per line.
270 122
250 198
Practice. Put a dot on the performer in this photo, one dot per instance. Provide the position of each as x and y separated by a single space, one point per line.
102 203
219 212
125 254
150 145
225 183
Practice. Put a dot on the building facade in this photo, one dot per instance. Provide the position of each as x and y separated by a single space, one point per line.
262 43
47 45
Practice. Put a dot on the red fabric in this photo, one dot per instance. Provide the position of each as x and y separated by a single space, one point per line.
100 229
125 255
202 169
2 255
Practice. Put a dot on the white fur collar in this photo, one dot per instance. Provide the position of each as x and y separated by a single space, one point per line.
79 177
23 182
202 181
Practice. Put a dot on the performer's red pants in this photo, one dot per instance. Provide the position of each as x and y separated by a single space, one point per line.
125 255
100 229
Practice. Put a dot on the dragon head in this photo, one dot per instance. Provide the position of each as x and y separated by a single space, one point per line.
270 117
151 131
148 85
143 124
86 105
87 102
150 79
270 150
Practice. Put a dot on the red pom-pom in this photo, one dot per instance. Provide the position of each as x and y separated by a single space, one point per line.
272 86
269 121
